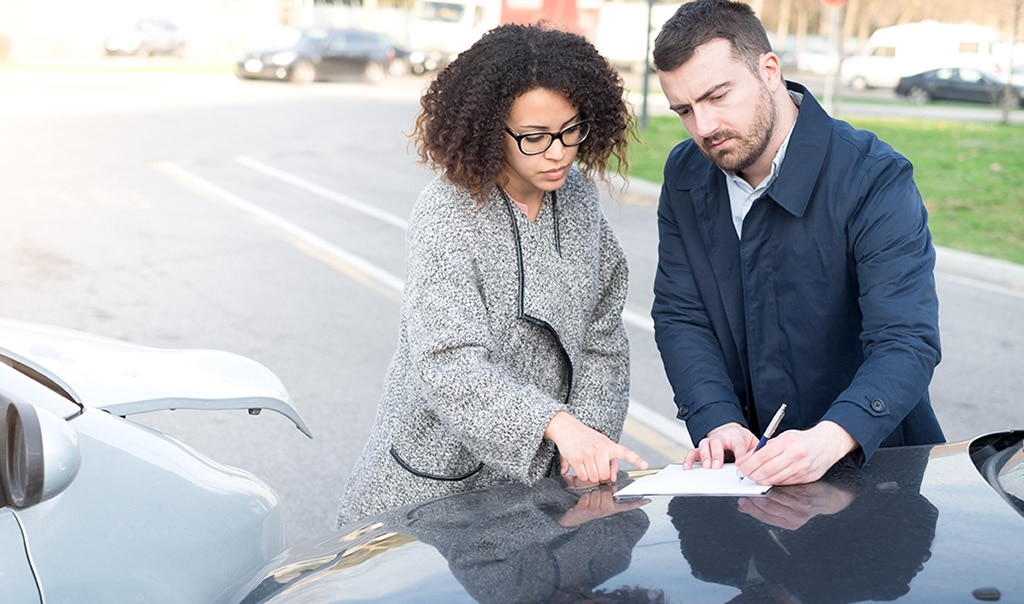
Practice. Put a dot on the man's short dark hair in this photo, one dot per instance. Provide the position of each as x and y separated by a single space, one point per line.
701 21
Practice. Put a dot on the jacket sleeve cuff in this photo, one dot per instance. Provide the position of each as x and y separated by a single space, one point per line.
861 426
705 417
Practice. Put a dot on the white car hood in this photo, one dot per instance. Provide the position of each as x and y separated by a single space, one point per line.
126 379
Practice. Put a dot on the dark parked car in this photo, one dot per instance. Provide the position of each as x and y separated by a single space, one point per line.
964 84
326 54
917 524
95 507
147 37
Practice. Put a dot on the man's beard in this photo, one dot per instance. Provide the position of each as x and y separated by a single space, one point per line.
746 150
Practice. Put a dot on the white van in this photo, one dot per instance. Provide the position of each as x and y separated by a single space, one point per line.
900 50
620 31
441 29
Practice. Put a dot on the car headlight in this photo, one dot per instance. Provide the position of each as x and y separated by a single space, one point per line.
252 65
283 58
40 452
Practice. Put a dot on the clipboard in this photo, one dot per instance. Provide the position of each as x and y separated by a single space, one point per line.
673 480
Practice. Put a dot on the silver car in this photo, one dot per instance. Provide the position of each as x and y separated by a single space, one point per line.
147 37
98 508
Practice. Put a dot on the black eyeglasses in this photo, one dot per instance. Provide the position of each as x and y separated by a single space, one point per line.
535 143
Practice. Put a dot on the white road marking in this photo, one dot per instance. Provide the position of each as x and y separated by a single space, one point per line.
324 192
290 228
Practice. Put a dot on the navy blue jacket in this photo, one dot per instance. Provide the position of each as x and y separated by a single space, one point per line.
827 304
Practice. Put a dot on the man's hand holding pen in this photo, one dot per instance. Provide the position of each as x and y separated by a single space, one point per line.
793 457
797 456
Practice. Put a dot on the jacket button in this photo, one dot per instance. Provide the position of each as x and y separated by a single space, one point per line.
683 411
878 405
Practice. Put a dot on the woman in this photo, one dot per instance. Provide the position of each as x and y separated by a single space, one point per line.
512 361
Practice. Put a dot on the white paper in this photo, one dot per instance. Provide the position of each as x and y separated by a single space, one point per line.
674 480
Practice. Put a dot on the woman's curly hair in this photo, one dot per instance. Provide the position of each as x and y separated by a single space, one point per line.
461 126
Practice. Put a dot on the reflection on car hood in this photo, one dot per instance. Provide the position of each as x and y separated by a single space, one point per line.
916 524
125 378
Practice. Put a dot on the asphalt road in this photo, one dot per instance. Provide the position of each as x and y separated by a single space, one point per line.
268 220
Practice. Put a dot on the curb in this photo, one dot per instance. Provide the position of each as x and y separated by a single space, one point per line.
947 260
982 268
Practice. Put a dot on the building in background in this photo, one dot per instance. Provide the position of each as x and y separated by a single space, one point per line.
217 31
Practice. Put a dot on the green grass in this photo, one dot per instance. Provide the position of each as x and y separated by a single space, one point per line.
971 176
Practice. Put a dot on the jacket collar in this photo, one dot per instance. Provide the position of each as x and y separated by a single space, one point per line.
805 156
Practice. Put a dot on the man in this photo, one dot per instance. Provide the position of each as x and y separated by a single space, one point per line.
795 264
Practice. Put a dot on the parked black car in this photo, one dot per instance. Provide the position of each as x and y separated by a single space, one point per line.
326 54
917 524
964 84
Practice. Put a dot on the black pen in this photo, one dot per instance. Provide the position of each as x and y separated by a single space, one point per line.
770 431
772 427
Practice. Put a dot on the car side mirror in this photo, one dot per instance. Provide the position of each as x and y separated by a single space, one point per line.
40 454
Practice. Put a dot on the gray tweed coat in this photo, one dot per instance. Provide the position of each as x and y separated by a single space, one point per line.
504 323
